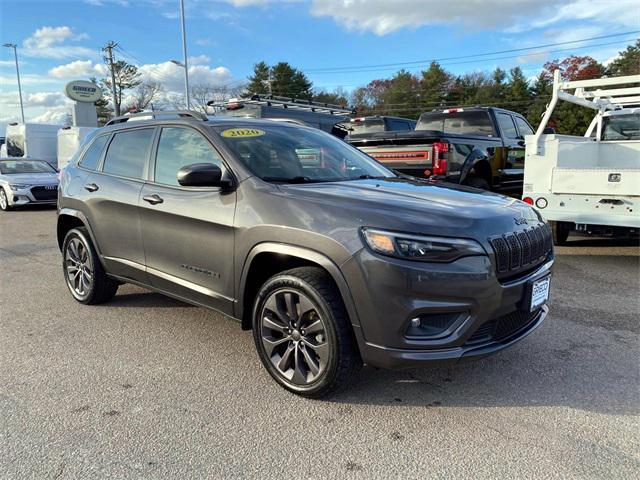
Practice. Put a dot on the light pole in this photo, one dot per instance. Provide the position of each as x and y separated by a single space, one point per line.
15 55
184 52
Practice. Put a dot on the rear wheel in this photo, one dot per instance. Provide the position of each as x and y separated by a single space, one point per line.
4 201
302 333
83 272
561 232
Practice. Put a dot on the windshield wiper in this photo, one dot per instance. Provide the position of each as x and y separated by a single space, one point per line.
290 179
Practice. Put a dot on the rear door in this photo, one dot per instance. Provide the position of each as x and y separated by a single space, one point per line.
111 195
188 231
512 161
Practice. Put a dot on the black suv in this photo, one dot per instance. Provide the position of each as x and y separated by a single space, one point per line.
328 256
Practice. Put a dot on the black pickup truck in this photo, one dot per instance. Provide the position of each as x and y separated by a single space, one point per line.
481 147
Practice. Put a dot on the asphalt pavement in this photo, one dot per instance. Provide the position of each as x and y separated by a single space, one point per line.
149 387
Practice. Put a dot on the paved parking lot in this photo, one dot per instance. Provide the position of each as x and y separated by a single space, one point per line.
150 387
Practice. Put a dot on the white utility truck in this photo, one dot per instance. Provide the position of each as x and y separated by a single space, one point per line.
589 183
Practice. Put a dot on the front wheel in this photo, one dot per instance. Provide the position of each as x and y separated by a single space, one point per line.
83 272
302 333
561 232
4 201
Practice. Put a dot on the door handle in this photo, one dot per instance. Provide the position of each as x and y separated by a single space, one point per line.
91 187
153 199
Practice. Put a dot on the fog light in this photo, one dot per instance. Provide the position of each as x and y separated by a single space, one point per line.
542 202
434 325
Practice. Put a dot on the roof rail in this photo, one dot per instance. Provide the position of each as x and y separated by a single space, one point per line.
286 103
153 115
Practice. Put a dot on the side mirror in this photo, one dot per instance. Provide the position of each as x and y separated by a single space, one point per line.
202 175
549 131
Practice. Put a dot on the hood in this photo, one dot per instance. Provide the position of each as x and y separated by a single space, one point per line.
422 206
32 178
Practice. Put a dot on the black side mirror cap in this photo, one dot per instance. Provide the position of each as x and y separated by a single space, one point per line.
202 175
549 131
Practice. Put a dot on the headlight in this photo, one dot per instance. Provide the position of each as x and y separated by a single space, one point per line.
420 248
16 187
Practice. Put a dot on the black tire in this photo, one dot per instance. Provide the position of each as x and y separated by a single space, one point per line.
4 202
99 288
561 232
477 182
342 359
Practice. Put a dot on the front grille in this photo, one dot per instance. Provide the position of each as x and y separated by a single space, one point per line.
521 251
43 193
502 327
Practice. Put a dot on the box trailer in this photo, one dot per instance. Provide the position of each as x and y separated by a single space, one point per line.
33 140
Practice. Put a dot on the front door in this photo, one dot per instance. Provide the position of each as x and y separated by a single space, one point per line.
512 170
188 231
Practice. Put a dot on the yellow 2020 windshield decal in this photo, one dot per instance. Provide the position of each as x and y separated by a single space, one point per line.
242 132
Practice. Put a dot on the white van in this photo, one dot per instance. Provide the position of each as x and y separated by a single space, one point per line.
34 140
69 140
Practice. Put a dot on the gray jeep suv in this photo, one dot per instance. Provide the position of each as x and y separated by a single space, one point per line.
328 256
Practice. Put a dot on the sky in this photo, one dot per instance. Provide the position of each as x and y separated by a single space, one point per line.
59 41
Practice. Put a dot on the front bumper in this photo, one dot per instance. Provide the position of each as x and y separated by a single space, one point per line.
34 195
389 293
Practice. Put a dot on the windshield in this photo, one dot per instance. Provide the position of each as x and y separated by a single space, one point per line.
621 127
288 154
462 123
10 167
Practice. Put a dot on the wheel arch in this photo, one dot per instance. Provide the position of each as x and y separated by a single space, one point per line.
268 259
69 218
477 166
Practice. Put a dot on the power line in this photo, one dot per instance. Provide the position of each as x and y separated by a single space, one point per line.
400 64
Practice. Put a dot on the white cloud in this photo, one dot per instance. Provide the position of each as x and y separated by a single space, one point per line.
385 16
77 69
199 60
58 116
51 42
171 76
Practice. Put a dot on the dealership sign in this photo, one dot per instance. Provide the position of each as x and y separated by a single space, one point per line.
83 91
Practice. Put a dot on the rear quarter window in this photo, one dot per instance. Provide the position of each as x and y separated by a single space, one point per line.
92 155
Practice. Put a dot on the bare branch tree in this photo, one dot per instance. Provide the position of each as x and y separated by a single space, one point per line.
144 95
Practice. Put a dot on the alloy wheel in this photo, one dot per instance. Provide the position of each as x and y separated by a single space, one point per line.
3 199
78 267
294 336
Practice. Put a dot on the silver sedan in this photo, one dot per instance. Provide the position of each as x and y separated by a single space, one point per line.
25 182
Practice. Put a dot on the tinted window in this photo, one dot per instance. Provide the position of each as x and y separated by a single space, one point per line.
128 152
15 145
92 155
179 147
523 126
365 126
507 126
395 124
462 123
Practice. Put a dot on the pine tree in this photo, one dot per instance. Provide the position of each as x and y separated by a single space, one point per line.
435 85
259 81
627 62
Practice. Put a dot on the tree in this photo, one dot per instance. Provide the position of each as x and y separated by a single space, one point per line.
627 62
259 81
575 68
401 96
517 92
337 97
540 92
102 106
435 85
144 94
281 79
126 78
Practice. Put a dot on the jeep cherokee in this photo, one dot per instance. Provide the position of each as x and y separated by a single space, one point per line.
331 259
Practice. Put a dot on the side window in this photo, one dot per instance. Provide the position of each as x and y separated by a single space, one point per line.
523 126
92 156
507 126
179 147
128 152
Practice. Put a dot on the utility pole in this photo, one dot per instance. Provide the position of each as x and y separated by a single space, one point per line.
184 52
270 80
15 55
109 58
